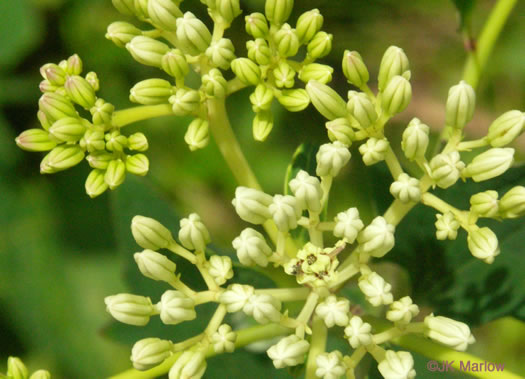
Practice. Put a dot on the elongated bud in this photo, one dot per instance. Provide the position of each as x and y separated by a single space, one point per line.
150 352
194 37
93 140
124 6
214 84
448 332
138 142
484 204
256 25
290 351
377 239
155 266
490 164
174 64
40 374
446 226
221 53
191 364
193 234
151 92
278 11
251 248
121 33
330 365
95 184
284 75
54 74
262 125
185 102
35 140
396 96
74 65
150 234
252 205
376 290
116 141
315 71
261 98
361 108
506 128
348 225
294 100
460 105
358 332
130 309
483 244
406 189
259 51
56 106
308 24
446 169
164 14
115 173
285 211
46 86
326 100
307 190
415 139
334 311
340 130
394 63
92 79
102 112
176 307
223 339
61 158
286 41
354 69
43 119
331 158
320 46
512 204
100 159
236 297
67 129
16 369
246 70
228 10
402 311
137 164
197 135
147 51
374 150
220 269
397 364
263 308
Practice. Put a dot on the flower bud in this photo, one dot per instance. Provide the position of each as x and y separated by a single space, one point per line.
446 226
278 11
340 130
223 340
448 332
483 244
333 311
326 100
124 6
361 108
56 106
246 70
484 204
121 33
130 309
138 142
43 119
74 65
315 71
261 98
284 75
137 164
402 311
116 141
308 24
185 102
348 225
285 211
512 204
506 128
286 41
460 105
92 79
330 365
220 269
40 374
67 129
147 51
396 96
446 169
377 239
490 164
16 369
262 125
294 100
61 158
191 364
354 69
35 140
397 364
102 112
263 308
394 63
259 51
415 139
252 205
46 86
358 332
193 233
100 159
92 140
193 36
320 46
406 189
174 64
55 75
115 173
221 53
307 190
376 290
155 266
256 25
95 184
141 9
228 9
236 297
251 248
374 150
197 136
164 14
151 92
331 158
150 352
150 234
176 307
289 351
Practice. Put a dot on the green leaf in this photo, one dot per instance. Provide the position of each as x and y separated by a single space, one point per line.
302 159
465 8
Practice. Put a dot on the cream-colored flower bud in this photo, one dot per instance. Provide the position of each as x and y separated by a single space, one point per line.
259 51
415 139
197 136
150 352
40 374
460 106
394 63
138 142
483 244
150 234
221 53
348 225
320 46
16 369
377 239
262 125
402 311
397 365
278 11
289 351
214 84
263 308
446 226
190 365
506 128
308 24
130 309
406 189
331 158
185 102
137 164
141 9
223 340
340 130
256 25
251 248
446 169
236 297
284 75
358 332
115 173
102 112
228 10
61 158
361 108
374 150
316 71
333 311
68 129
326 100
396 96
193 36
285 211
247 71
56 106
286 41
174 63
485 204
151 92
155 266
252 205
120 33
95 184
307 190
354 69
490 164
376 290
512 204
35 140
193 234
175 307
261 98
124 6
147 51
448 332
164 14
220 269
330 365
294 100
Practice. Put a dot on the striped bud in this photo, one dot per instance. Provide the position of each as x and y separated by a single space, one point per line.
151 92
16 369
320 46
256 25
155 266
286 41
396 96
259 51
247 71
415 139
68 129
56 106
95 184
374 150
174 64
137 164
193 234
138 142
278 11
93 140
315 71
460 105
490 164
340 130
512 204
102 112
214 84
506 128
150 234
221 53
446 169
326 100
294 100
61 158
193 36
262 125
354 69
164 14
80 91
331 158
150 352
54 74
284 75
252 205
197 135
121 33
228 9
147 51
361 108
394 63
308 24
100 159
185 102
115 173
130 309
35 140
116 141
261 98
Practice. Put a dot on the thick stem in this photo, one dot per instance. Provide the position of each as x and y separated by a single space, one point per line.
144 112
317 346
286 294
393 163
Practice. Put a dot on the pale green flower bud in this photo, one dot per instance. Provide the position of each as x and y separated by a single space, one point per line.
95 184
92 79
340 130
251 248
286 41
67 129
223 340
326 100
483 244
374 150
394 63
358 332
193 233
115 173
175 307
354 69
130 309
289 351
43 119
102 112
16 369
124 6
93 140
174 64
263 308
150 234
54 74
46 86
376 290
61 158
490 164
252 205
185 102
138 142
512 204
150 352
294 100
377 239
147 51
415 139
228 9
137 164
191 364
256 25
164 14
56 106
259 51
246 70
236 297
448 332
406 189
460 105
220 269
40 374
485 204
151 92
396 96
348 225
121 33
74 65
100 159
506 128
333 311
155 266
284 75
446 226
193 36
262 125
116 141
331 158
315 71
320 46
330 365
197 136
35 140
446 169
396 365
261 98
307 190
285 211
361 108
278 11
402 311
221 53
308 24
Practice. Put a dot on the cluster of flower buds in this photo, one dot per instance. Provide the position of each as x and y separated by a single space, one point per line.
16 369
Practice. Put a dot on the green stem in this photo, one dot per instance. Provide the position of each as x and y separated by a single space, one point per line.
317 346
435 202
128 116
286 294
469 145
174 247
393 163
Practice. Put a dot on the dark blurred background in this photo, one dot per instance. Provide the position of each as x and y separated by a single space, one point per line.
58 248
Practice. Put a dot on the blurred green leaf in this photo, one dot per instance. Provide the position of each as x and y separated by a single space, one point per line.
465 8
302 159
